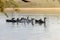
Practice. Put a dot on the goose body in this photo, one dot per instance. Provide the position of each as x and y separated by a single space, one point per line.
25 1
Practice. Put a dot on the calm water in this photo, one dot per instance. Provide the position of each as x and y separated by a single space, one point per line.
14 31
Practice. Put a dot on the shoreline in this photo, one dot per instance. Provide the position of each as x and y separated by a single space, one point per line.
35 10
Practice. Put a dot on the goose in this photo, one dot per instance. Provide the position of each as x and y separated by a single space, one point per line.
25 1
40 21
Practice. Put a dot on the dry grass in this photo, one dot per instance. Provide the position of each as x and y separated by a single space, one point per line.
35 4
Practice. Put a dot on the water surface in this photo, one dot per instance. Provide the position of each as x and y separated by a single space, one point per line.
14 31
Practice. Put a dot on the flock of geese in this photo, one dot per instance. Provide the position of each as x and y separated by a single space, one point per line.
27 20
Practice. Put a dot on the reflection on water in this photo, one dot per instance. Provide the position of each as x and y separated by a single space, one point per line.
27 21
21 31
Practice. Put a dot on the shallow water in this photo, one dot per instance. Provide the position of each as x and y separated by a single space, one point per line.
14 31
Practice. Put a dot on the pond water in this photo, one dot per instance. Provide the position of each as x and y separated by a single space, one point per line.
21 31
